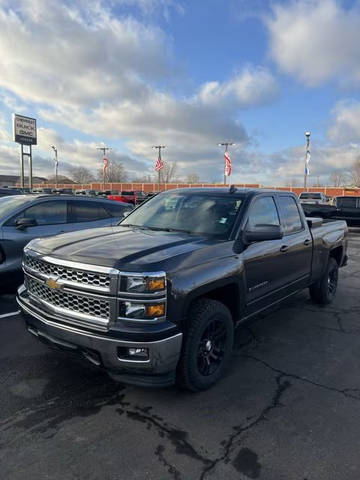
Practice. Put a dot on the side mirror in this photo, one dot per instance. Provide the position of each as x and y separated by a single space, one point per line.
23 223
261 233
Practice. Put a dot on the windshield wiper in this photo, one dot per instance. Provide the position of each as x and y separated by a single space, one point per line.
167 229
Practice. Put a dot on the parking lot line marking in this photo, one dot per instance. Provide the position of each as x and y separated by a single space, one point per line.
11 314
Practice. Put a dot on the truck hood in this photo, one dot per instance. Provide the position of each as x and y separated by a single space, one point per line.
122 247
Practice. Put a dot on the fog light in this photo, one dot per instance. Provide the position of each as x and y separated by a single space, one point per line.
157 310
138 352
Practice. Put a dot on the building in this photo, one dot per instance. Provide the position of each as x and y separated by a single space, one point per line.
12 180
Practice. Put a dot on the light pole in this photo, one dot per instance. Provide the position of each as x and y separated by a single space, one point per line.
226 145
56 164
307 158
159 164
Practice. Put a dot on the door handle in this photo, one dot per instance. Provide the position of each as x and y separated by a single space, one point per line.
284 249
307 241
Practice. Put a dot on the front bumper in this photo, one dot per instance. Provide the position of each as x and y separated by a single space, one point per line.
104 351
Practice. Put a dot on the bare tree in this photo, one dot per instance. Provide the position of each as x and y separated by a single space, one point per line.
114 173
192 178
81 175
168 172
337 179
355 173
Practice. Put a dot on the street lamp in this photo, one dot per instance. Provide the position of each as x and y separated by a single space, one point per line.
307 158
56 164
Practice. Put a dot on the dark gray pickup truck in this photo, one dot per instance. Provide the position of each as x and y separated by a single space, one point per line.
156 299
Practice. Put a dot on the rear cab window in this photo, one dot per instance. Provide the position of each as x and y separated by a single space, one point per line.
290 215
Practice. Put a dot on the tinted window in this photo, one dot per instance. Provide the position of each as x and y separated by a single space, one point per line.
87 211
349 202
117 210
263 212
290 214
314 196
45 213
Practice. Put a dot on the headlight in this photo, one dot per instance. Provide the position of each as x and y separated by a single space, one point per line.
145 311
151 283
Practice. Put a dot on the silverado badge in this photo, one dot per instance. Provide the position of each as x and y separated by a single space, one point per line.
51 283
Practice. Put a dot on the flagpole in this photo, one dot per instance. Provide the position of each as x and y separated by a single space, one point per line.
159 164
226 145
103 150
307 152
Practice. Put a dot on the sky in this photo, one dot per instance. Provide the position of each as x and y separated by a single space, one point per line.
187 74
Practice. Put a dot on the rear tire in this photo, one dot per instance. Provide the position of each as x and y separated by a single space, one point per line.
323 292
207 345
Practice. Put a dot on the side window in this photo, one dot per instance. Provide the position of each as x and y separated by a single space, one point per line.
116 210
347 202
263 212
44 213
290 215
83 211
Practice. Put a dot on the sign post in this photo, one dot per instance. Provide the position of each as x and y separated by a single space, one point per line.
25 133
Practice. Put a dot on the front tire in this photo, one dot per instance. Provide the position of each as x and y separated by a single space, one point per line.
207 345
323 292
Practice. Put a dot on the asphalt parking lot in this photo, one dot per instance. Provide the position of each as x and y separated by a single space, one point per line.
289 408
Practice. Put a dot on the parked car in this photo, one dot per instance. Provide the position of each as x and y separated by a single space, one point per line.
169 285
5 192
344 208
133 197
24 217
313 197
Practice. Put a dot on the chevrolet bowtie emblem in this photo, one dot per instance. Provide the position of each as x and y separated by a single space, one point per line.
51 283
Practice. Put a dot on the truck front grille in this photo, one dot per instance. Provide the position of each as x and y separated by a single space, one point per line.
94 308
81 277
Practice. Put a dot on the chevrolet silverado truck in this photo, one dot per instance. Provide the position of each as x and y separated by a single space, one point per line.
155 300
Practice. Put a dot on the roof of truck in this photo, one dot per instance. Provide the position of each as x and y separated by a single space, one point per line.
224 190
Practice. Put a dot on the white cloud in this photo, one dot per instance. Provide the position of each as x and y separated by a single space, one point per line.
316 40
346 122
252 86
67 53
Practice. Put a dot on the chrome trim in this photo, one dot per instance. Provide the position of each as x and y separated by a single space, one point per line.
87 333
81 266
96 322
83 286
139 300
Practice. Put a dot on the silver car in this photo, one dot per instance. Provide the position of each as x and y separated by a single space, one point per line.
24 217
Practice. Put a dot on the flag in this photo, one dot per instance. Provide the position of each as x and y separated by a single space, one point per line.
159 164
105 166
228 164
307 168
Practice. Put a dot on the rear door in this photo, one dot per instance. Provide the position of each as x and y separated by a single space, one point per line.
296 245
50 217
85 214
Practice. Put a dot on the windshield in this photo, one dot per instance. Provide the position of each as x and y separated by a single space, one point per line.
191 213
311 196
9 204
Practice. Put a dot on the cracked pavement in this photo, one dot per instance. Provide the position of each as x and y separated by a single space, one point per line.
289 408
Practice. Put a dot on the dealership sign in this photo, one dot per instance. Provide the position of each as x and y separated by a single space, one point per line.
24 129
